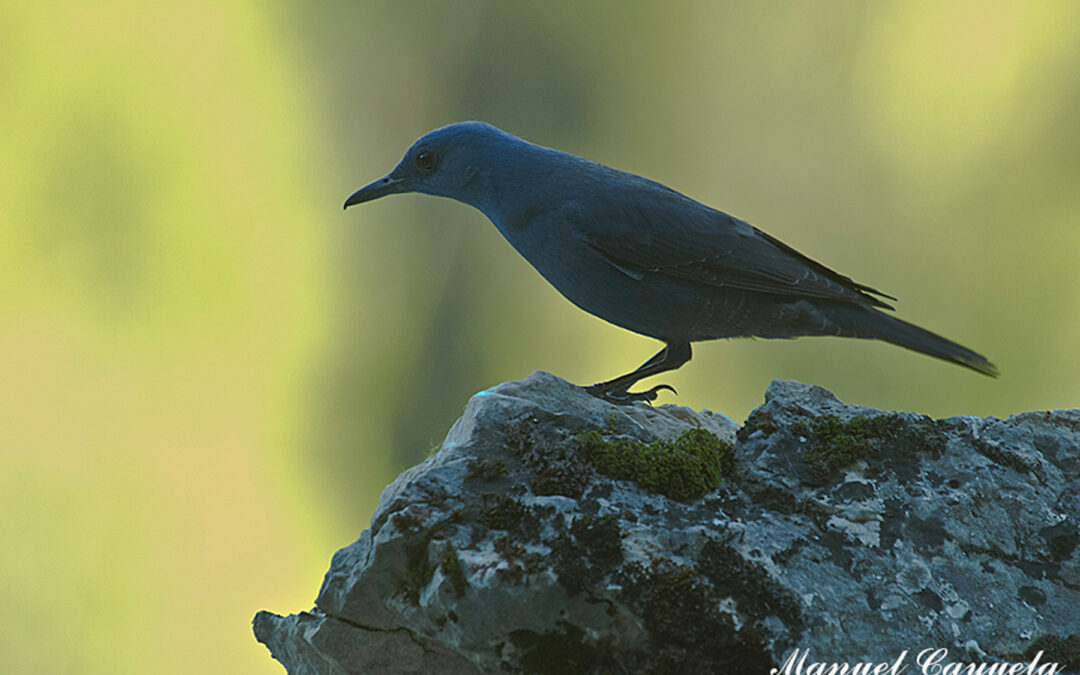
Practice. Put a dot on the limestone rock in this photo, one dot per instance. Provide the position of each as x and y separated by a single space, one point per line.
846 531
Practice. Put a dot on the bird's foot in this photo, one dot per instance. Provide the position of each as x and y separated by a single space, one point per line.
623 397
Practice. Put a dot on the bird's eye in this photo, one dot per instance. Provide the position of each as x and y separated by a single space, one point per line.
426 160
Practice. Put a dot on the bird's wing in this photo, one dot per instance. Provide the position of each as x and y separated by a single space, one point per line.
673 235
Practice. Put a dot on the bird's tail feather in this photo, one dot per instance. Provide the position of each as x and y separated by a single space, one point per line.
874 324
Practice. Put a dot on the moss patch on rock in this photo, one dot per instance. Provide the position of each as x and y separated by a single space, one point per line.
841 443
689 467
451 567
554 468
418 570
504 514
689 632
565 651
587 552
481 468
835 443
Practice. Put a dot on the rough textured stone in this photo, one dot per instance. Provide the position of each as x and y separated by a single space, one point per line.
847 531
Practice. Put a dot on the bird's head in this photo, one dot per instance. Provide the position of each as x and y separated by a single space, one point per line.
448 162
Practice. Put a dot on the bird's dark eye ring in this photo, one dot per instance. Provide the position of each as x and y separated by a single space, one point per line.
426 160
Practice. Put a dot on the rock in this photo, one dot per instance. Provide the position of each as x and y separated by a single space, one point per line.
849 532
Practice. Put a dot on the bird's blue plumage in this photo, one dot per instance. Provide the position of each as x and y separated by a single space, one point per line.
641 255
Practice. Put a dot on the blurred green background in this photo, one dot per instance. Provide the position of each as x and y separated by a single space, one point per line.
208 370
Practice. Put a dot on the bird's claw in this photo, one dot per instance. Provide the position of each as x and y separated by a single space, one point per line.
623 397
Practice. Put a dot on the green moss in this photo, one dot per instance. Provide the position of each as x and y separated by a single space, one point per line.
553 468
842 443
587 552
519 561
1063 649
612 423
601 538
678 604
504 514
565 651
755 592
687 468
688 631
418 571
485 469
559 477
451 567
405 522
759 420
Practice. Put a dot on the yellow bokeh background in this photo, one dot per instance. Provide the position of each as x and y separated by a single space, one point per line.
208 370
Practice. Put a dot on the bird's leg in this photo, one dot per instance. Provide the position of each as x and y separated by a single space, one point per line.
670 357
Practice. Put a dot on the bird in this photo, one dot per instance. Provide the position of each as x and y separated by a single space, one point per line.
645 257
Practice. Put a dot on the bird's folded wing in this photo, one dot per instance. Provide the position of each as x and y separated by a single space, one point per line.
712 248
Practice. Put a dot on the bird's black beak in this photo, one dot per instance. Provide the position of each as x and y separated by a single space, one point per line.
387 185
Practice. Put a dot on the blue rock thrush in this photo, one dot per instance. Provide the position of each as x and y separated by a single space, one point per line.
645 257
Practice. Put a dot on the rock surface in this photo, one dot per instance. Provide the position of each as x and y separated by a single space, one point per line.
842 530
